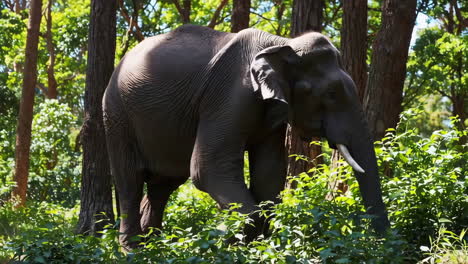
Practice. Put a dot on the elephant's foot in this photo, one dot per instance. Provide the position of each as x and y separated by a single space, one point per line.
381 224
250 233
130 242
130 235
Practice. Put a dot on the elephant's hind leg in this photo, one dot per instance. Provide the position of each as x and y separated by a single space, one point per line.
128 175
153 204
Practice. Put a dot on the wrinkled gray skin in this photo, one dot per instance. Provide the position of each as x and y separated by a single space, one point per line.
190 102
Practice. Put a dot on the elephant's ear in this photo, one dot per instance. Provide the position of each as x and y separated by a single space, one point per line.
269 81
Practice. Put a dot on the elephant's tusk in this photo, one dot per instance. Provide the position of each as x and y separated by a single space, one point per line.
344 151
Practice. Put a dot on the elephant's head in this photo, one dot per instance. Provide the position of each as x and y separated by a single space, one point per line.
303 82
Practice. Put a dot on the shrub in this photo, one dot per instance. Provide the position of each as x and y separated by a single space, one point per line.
447 247
425 190
426 184
55 166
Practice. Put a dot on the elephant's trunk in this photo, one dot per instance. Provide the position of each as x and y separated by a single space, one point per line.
362 149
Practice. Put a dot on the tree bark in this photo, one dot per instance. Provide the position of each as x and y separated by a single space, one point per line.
354 54
23 135
354 42
240 15
51 81
295 145
96 189
384 93
17 6
306 15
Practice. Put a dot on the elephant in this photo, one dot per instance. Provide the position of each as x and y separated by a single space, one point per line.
189 103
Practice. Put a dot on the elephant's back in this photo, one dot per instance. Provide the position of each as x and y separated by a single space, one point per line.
161 70
177 54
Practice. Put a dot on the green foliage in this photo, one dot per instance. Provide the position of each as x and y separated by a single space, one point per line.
8 113
333 20
44 234
54 165
12 27
272 16
427 182
70 37
12 37
425 192
437 61
429 114
447 247
436 67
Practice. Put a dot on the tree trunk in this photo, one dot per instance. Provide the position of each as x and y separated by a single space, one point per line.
354 42
354 54
96 189
306 15
18 6
295 145
51 81
187 10
23 136
240 15
384 92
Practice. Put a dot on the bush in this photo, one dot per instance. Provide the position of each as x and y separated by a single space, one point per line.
426 184
447 247
55 166
425 189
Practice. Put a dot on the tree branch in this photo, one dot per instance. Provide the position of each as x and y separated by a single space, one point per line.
9 5
279 15
183 11
178 6
267 19
462 22
43 89
131 22
442 92
216 14
335 13
52 81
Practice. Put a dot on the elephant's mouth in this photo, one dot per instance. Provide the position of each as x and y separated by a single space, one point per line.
309 132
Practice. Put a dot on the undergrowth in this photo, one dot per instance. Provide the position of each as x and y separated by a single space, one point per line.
425 186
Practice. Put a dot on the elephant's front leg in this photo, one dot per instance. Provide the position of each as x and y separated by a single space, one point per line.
217 168
268 162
